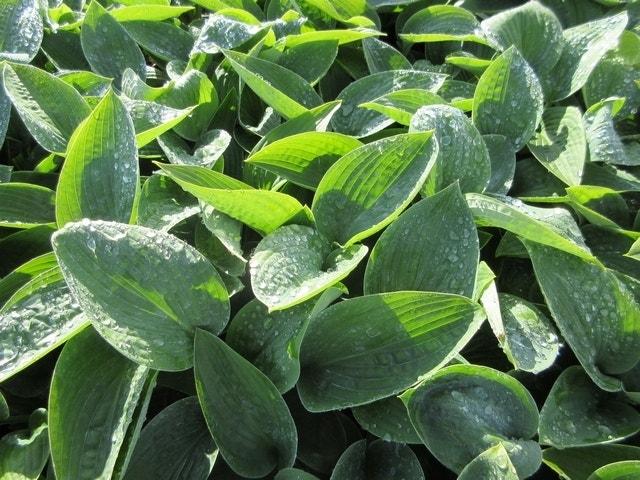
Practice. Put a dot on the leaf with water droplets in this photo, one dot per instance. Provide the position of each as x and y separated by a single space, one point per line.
577 413
163 204
227 29
367 348
352 203
503 163
401 105
95 393
24 453
626 470
579 463
388 419
462 410
605 144
21 30
601 206
99 178
442 23
151 119
381 57
508 99
247 417
433 246
492 464
25 205
112 269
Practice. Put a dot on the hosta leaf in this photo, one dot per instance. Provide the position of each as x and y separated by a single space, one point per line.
310 60
600 205
503 163
294 474
492 464
231 389
99 179
605 144
21 30
381 56
142 12
343 10
151 119
163 204
24 453
25 205
40 316
578 413
5 115
401 105
226 30
163 40
286 92
50 108
262 210
108 47
432 246
353 120
370 347
342 36
176 443
617 471
584 46
508 99
462 410
94 393
594 311
112 269
249 6
352 203
24 273
579 463
387 419
442 23
304 158
465 161
24 245
295 263
533 29
561 144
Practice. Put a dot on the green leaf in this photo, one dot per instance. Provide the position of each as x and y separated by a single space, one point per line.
295 262
24 205
150 119
442 258
466 161
142 12
617 471
50 108
584 46
112 269
286 92
387 419
358 122
108 47
462 410
596 314
605 144
163 40
229 389
503 163
21 30
99 178
580 463
601 206
508 99
367 348
442 23
24 453
304 158
381 56
94 393
343 10
342 36
226 29
176 443
492 464
561 145
163 204
24 273
401 105
578 413
351 203
533 29
310 60
294 474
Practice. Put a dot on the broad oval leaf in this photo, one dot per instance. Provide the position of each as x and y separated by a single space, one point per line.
24 453
352 202
626 470
227 29
442 23
401 105
503 163
578 413
605 144
462 410
94 393
381 57
508 99
370 347
433 246
163 204
99 178
462 153
492 464
50 108
25 205
388 419
295 263
229 389
114 272
163 40
579 463
21 30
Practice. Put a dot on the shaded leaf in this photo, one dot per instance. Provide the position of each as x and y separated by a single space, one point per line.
617 471
24 453
388 419
24 273
579 463
381 56
605 144
25 205
503 163
401 105
163 204
492 464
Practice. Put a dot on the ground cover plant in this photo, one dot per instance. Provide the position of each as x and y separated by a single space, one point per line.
319 239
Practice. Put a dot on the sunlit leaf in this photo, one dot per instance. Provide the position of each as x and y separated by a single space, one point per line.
442 23
21 30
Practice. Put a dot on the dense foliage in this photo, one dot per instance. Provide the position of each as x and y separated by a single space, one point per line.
302 239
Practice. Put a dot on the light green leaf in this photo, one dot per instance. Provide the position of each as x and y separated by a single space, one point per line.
617 471
578 413
462 410
579 463
442 23
401 105
464 161
433 246
584 46
24 205
351 203
21 30
353 120
112 269
387 419
24 273
99 178
304 158
94 394
342 36
24 453
50 108
230 388
250 6
561 145
295 263
227 29
596 314
508 99
492 464
5 117
634 251
176 443
601 206
344 10
381 56
142 12
367 348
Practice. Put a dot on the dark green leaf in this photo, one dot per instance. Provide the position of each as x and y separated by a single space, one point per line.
605 144
381 56
24 453
492 464
442 23
387 419
503 163
163 204
21 30
617 471
580 463
25 205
